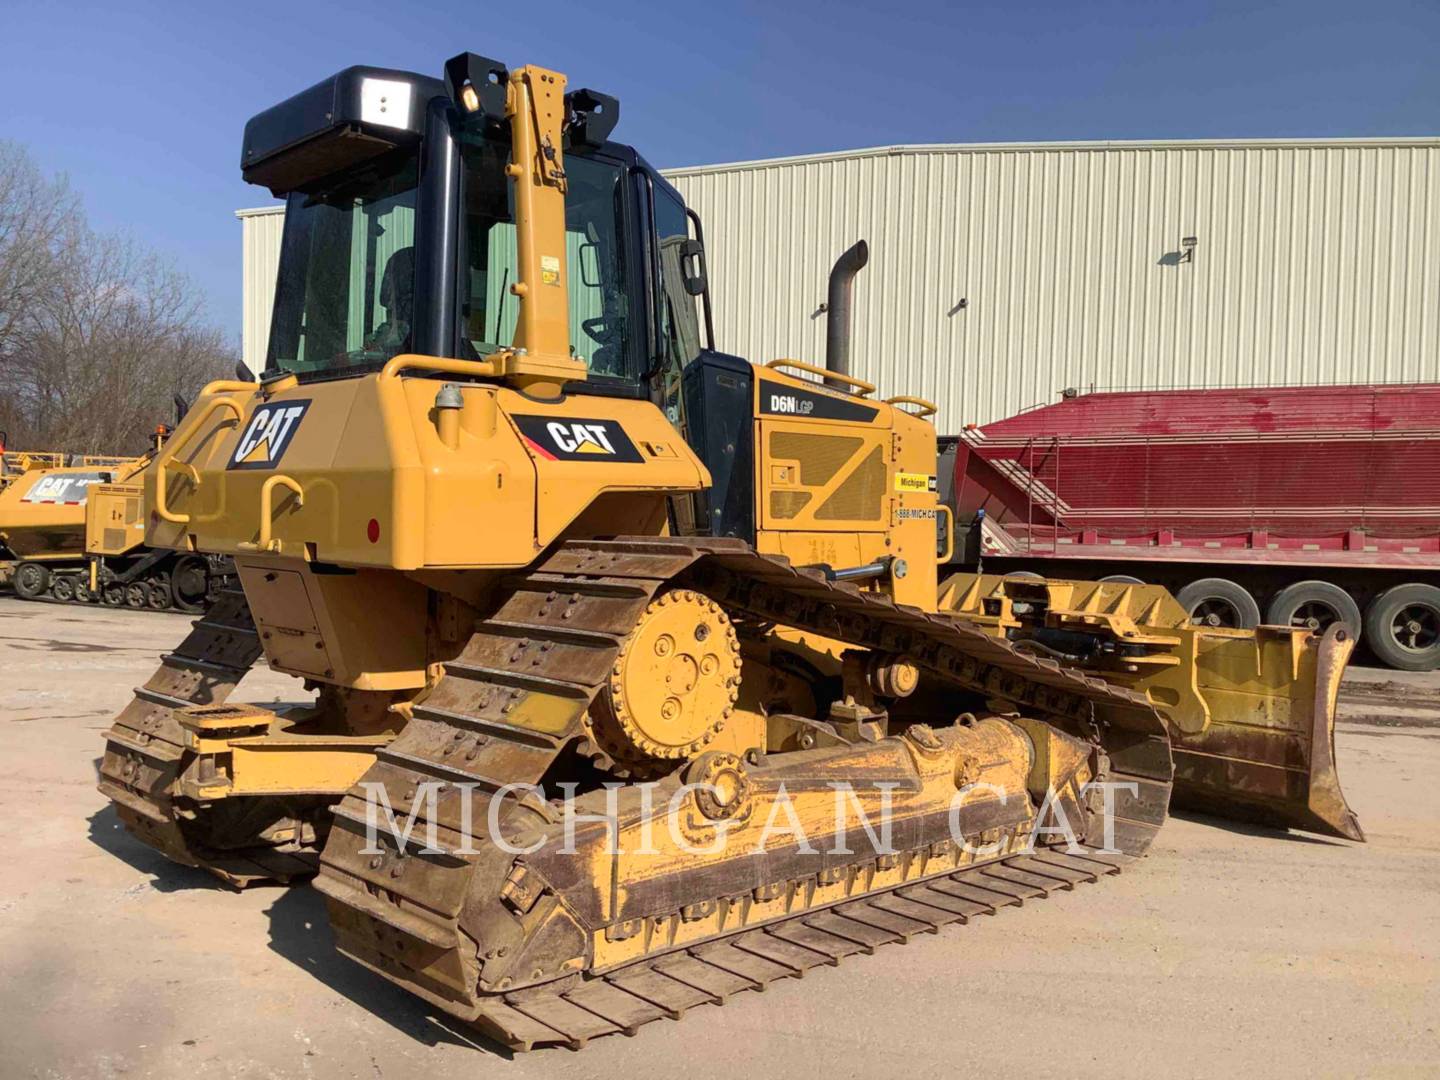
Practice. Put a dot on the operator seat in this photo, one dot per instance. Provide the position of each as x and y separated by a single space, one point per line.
397 296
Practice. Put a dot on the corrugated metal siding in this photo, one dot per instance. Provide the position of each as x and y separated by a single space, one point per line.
260 243
1315 263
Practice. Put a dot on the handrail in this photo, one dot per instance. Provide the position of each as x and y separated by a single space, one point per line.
267 491
409 361
228 386
810 369
949 533
167 455
927 408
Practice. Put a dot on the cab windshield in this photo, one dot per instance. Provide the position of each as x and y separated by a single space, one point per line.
345 292
346 286
601 328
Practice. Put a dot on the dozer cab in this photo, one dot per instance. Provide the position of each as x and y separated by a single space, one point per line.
636 647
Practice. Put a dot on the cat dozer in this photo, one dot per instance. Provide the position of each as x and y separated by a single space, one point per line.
633 687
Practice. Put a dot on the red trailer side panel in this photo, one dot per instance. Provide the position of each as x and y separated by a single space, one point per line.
1341 475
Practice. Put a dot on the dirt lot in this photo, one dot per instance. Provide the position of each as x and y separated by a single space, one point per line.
1228 950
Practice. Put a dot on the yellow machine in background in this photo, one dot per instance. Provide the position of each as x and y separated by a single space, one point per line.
76 533
42 525
520 532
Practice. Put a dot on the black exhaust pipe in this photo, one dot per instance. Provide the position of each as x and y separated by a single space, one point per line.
837 309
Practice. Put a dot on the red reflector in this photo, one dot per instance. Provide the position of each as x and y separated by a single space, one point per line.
373 531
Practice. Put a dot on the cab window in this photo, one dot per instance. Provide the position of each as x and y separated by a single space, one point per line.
346 283
679 326
601 327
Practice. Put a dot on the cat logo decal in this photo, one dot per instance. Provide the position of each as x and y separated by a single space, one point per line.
269 432
576 438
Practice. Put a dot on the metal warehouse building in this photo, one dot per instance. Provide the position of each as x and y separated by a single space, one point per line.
1001 274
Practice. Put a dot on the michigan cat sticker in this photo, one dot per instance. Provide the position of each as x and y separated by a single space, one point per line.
265 438
917 482
576 438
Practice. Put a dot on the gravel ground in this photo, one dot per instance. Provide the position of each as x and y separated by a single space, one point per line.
1227 950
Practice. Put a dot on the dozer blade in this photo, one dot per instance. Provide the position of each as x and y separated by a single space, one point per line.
1251 713
1267 754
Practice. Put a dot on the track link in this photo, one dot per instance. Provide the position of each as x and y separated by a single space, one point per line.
145 749
519 693
666 987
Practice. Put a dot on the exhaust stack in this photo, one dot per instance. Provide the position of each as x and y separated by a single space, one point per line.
837 308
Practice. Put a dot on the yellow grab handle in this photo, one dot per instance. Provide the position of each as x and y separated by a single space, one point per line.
267 494
861 386
167 458
927 408
410 361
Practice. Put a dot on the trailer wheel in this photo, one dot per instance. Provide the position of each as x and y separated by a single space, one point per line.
1219 602
31 580
1403 627
1121 579
62 588
1314 605
1024 575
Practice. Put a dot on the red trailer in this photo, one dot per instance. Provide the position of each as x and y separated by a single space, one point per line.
1300 506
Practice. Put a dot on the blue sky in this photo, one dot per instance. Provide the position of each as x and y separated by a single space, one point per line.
142 104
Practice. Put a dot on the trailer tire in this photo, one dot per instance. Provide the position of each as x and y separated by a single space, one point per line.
1219 602
1315 605
1024 575
1121 579
1402 625
31 581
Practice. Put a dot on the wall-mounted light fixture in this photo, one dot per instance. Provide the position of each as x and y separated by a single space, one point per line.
1187 248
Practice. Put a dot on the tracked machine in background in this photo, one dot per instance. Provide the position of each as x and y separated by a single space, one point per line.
76 533
495 502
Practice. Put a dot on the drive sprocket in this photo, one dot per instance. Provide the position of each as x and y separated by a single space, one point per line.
673 685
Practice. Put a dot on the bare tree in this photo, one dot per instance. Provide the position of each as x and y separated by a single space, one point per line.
96 333
34 212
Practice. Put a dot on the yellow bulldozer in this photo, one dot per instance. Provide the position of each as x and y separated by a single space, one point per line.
634 683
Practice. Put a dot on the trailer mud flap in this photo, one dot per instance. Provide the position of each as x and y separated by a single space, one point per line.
1270 774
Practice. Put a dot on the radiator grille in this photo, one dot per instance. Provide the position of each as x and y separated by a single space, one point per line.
820 456
786 504
861 497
